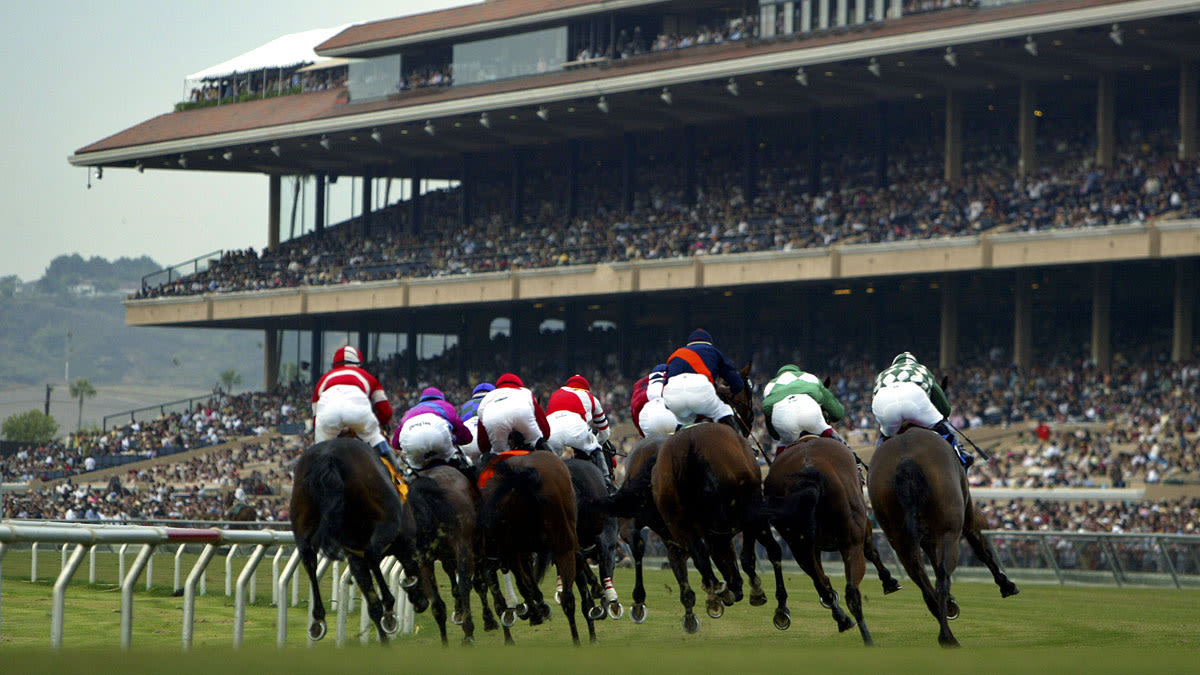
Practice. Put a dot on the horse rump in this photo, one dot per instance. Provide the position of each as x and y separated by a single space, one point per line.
796 509
326 489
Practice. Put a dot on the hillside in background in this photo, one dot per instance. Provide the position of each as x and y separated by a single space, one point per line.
36 318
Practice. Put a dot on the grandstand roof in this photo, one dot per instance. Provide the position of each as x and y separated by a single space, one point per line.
1072 34
285 51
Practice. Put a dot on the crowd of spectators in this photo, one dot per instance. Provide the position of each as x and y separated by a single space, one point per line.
264 84
1146 184
1178 516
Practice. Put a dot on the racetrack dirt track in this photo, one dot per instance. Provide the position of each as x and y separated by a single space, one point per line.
1045 629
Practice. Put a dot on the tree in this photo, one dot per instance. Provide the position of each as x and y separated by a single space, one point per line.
30 427
229 379
81 389
8 285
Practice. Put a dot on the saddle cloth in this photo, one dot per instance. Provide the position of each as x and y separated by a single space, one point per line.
490 469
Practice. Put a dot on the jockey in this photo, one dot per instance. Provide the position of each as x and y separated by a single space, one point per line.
907 392
690 389
650 414
510 407
797 403
349 397
469 412
429 431
577 420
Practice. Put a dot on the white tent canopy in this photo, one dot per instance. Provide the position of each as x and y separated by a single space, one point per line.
289 50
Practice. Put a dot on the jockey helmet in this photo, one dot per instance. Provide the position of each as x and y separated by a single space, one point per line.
904 356
347 356
660 368
700 335
482 388
432 394
509 379
579 382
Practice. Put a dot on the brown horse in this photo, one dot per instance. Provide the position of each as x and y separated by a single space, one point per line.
444 504
919 492
814 500
343 502
634 503
708 487
529 512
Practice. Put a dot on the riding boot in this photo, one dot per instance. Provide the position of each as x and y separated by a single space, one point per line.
601 463
387 454
731 422
543 444
943 429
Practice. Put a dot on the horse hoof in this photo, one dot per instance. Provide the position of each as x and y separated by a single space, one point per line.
828 605
316 631
595 613
1009 590
637 613
845 624
729 597
952 610
456 618
715 608
508 618
615 610
758 597
522 610
389 624
468 641
690 623
408 582
490 624
783 619
545 610
891 586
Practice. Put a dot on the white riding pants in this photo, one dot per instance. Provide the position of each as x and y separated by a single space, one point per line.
902 402
568 430
471 450
345 407
688 395
656 420
796 415
426 437
507 413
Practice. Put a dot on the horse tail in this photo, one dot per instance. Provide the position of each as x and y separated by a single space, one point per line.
431 510
327 487
799 506
911 488
706 497
519 481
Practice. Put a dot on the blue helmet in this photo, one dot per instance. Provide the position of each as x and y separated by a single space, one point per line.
482 388
700 335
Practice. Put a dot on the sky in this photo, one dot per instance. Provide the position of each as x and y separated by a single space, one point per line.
75 71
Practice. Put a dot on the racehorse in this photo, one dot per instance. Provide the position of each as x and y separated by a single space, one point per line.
237 510
708 486
919 492
635 502
445 504
597 533
815 501
529 511
344 502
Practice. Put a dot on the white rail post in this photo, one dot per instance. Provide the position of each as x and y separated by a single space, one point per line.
239 601
121 561
335 598
295 590
127 584
288 574
33 551
92 567
60 594
275 594
65 548
3 550
189 592
343 586
150 571
178 562
229 570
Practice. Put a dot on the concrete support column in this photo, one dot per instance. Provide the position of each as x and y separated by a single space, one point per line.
766 21
572 196
1026 130
628 171
518 188
416 212
1102 316
319 216
789 18
896 10
1105 98
572 330
814 153
948 337
806 23
410 351
1187 109
367 206
689 164
1023 321
881 144
879 10
1184 314
953 149
749 160
364 341
274 204
270 358
822 14
625 337
515 334
842 13
860 11
316 351
466 191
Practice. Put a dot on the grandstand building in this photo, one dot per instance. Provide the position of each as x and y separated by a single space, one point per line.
628 112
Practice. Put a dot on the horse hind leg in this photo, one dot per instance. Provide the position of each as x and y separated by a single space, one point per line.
481 589
726 561
775 555
317 627
944 555
637 611
388 622
856 566
465 574
492 580
361 568
983 550
890 584
809 559
677 557
437 605
585 580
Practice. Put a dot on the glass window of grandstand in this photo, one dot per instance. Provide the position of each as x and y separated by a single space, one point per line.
501 58
378 77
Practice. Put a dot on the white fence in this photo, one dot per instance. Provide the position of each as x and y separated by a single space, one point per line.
79 540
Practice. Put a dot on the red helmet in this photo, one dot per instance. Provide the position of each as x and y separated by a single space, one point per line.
348 356
510 379
579 382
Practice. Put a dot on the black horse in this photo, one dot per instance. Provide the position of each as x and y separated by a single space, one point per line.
596 530
920 496
634 504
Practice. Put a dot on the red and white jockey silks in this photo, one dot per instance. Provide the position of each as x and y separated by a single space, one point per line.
349 397
577 420
509 407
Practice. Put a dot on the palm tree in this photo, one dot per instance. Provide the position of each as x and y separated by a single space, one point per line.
230 378
81 389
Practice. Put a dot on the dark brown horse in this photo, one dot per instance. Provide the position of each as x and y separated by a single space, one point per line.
634 503
445 505
529 512
596 529
919 492
816 503
708 487
344 502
